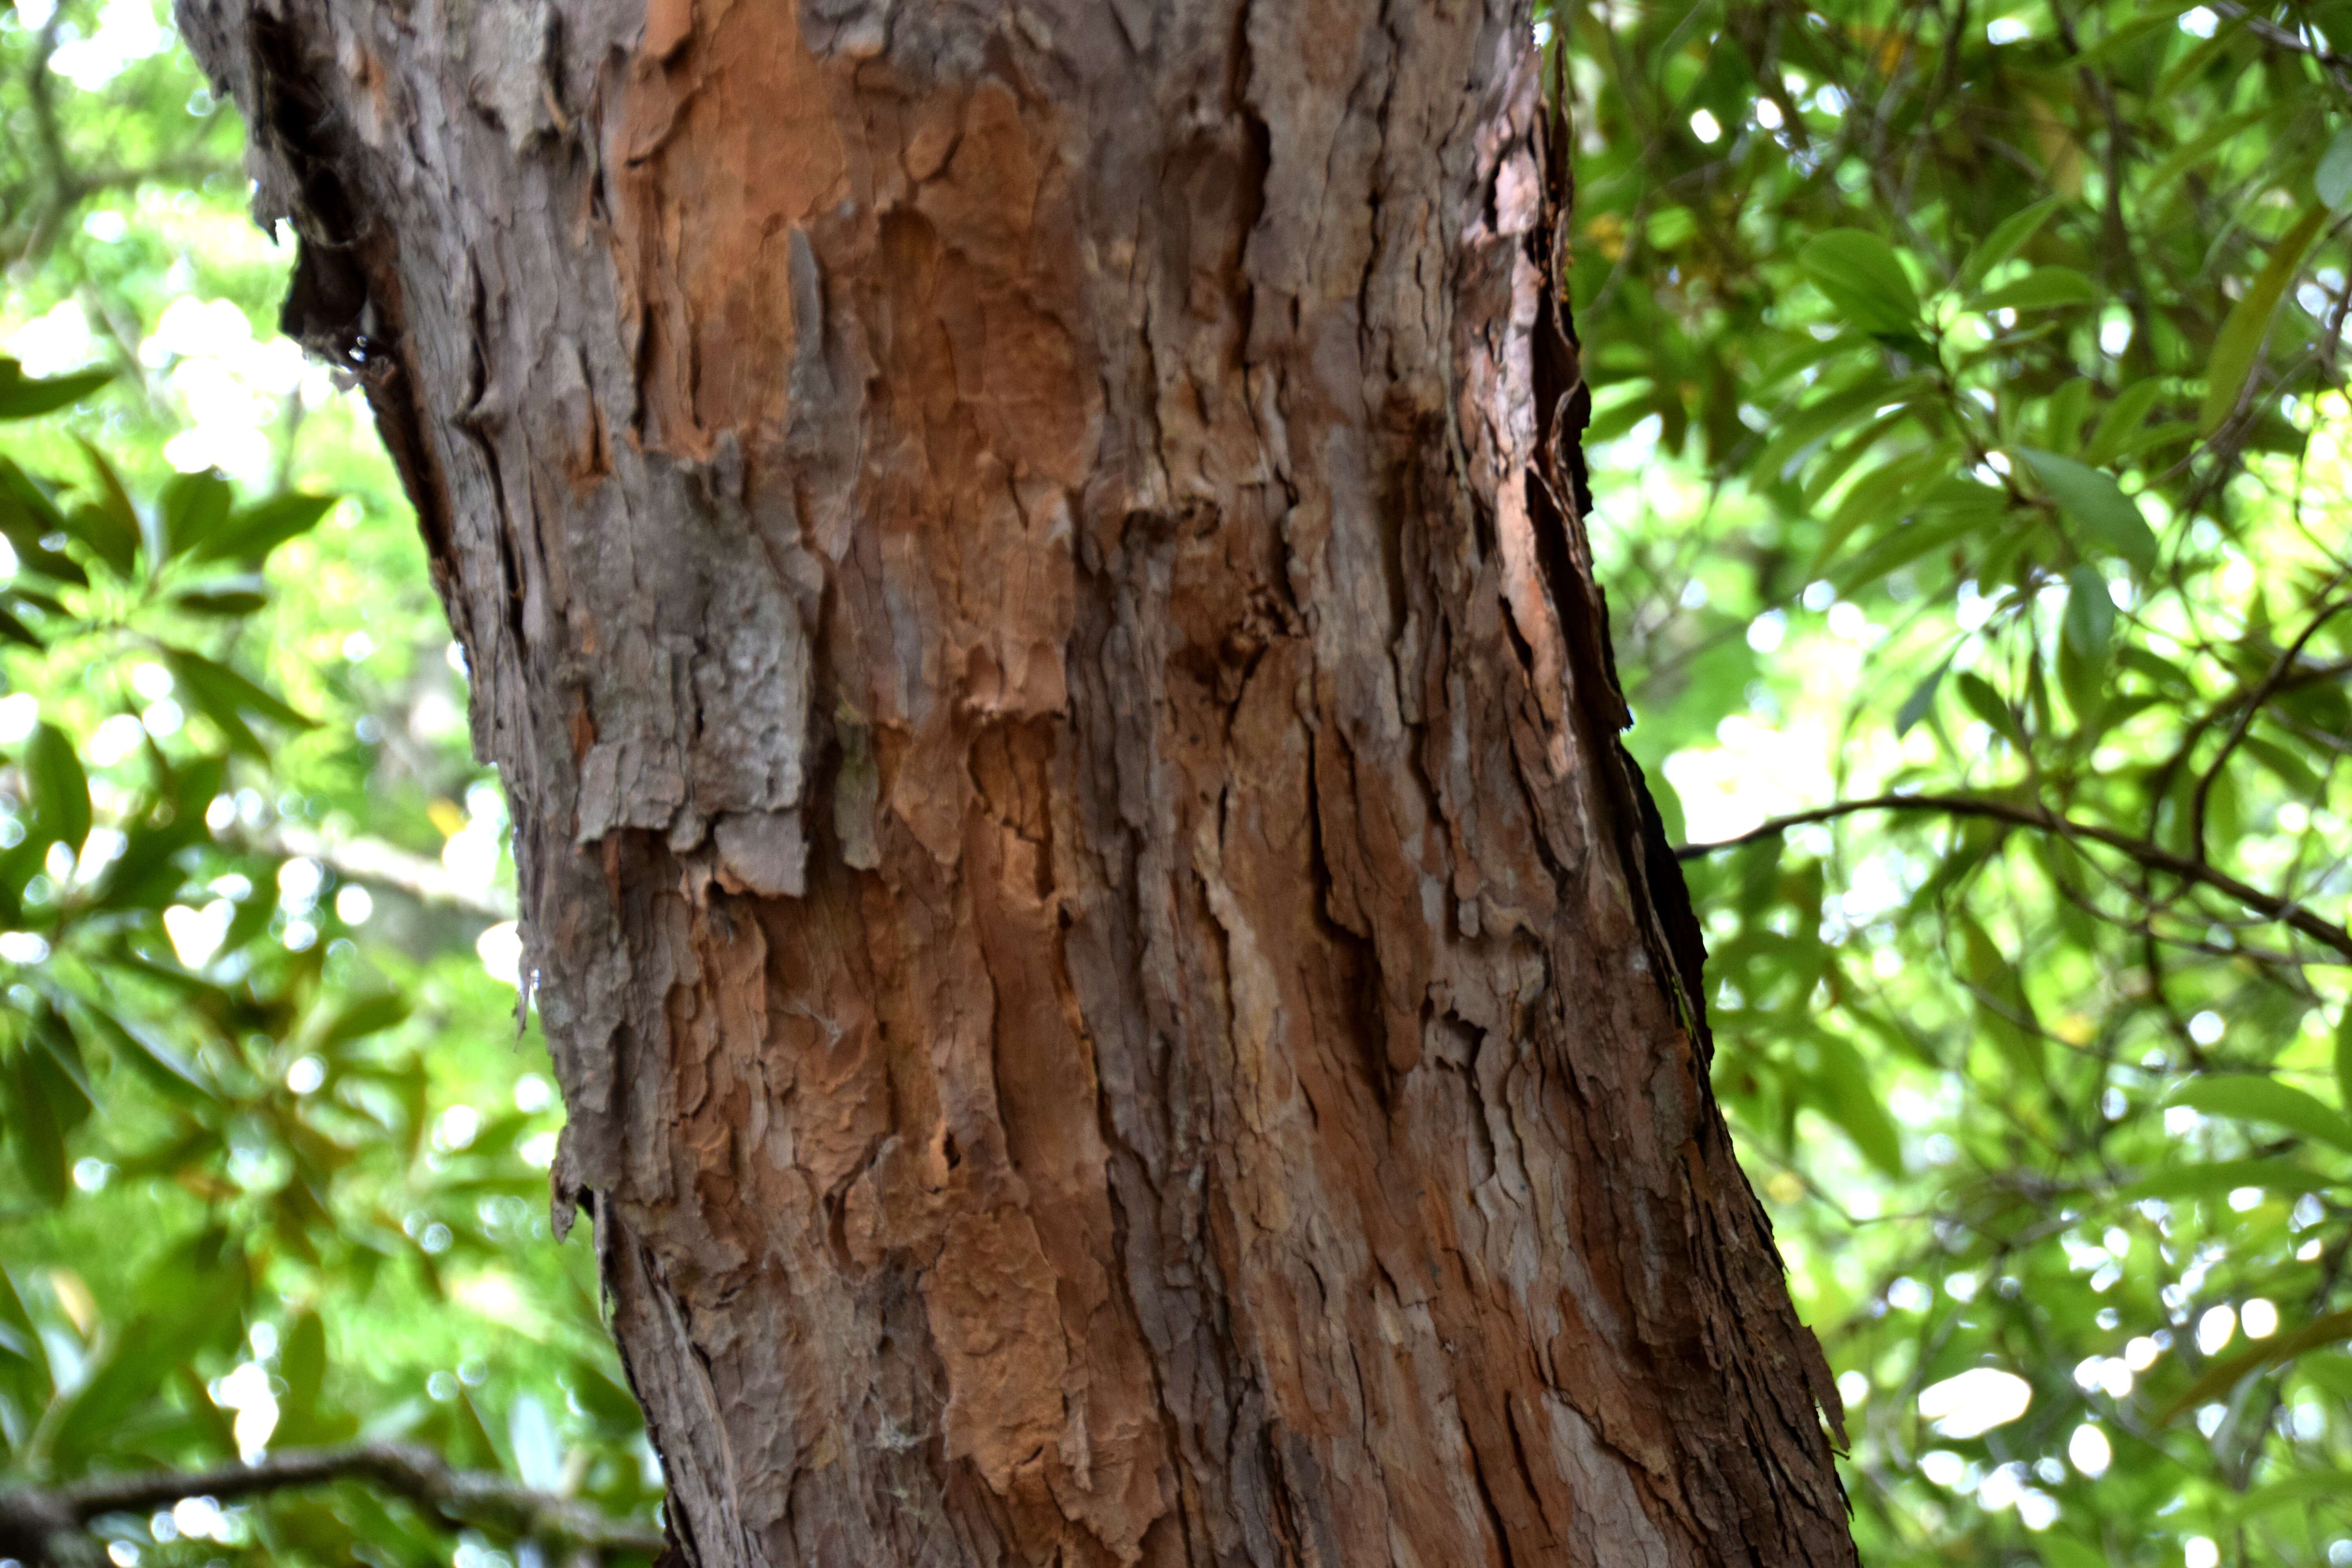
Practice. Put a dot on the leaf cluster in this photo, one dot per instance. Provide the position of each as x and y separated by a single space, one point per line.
195 1053
1970 452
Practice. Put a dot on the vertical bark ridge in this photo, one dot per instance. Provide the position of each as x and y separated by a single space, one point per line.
1118 995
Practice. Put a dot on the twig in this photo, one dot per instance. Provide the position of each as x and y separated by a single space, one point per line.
379 864
47 136
65 186
2280 669
2336 66
32 1520
2153 857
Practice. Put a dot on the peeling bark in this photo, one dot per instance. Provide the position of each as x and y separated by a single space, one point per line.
1119 999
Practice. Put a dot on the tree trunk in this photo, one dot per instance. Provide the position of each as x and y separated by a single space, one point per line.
1119 999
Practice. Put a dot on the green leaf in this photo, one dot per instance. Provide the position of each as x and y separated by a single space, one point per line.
2062 415
2006 238
1848 1099
2240 342
1862 278
1907 540
2002 1009
2122 421
2344 1060
1894 490
214 1433
2292 769
2333 178
2096 504
2190 154
27 516
29 1373
303 1363
2221 1376
1921 701
1629 405
15 631
1851 446
1799 432
2064 1552
2090 613
2314 1486
225 696
53 1037
235 731
469 1436
226 602
111 526
319 1531
60 789
2254 1096
604 1399
146 875
191 1303
2043 288
193 508
18 869
135 1047
257 530
2218 1178
1802 352
251 919
2197 61
2161 23
47 604
36 1132
1987 704
361 1016
23 397
32 511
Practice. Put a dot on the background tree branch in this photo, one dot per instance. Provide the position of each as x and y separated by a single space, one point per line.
379 864
2154 856
49 1525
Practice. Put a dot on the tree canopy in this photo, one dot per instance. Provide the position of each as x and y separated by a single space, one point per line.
1970 450
1969 454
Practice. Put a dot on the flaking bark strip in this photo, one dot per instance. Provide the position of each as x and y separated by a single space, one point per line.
1560 498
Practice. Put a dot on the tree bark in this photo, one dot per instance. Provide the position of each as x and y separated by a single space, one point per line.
1119 999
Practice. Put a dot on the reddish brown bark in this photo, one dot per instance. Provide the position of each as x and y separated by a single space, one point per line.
1021 562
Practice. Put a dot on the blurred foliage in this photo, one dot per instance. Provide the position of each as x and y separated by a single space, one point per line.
1972 459
273 1171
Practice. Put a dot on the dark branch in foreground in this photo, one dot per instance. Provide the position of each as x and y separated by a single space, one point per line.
42 1526
2154 856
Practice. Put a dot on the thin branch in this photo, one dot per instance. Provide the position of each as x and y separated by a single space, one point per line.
2154 856
378 864
66 187
2338 66
2280 669
32 1520
47 137
177 169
